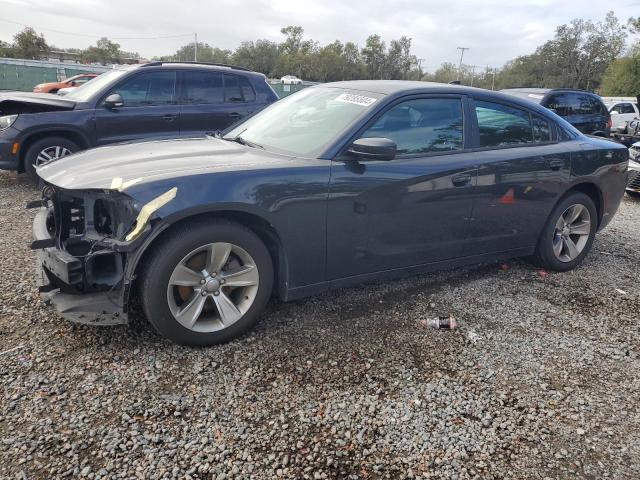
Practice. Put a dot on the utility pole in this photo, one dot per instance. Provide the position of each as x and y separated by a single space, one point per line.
462 50
493 82
420 60
195 48
473 71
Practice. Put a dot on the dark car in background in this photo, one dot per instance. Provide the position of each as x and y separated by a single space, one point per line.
335 185
149 101
584 110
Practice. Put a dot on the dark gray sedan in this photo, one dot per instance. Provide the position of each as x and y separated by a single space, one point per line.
335 185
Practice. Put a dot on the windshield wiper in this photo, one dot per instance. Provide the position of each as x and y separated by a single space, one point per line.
242 141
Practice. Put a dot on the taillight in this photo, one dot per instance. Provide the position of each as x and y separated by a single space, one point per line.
609 123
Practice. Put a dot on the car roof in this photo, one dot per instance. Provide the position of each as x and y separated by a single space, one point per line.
198 65
399 87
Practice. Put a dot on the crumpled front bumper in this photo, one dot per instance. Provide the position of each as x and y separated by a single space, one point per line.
55 267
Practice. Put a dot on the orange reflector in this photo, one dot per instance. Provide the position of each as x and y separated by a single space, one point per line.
14 150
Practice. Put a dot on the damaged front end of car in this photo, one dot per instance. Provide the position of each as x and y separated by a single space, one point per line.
88 242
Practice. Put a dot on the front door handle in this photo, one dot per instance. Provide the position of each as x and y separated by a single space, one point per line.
461 179
235 115
170 117
556 165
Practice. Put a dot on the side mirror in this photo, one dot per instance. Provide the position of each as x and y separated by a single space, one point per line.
113 101
73 84
373 149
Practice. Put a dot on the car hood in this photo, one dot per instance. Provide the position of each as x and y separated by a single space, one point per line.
133 165
48 84
27 102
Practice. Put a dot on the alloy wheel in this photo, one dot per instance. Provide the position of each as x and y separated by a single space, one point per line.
572 232
212 287
51 153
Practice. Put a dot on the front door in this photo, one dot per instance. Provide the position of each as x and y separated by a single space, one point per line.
149 110
409 211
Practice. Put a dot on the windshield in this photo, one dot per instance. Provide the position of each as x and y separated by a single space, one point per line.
305 123
84 92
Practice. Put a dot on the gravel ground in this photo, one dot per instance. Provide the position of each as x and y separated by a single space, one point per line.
541 379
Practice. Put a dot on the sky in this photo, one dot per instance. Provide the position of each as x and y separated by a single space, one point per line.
494 30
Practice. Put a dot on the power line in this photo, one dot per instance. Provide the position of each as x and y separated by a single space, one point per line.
94 36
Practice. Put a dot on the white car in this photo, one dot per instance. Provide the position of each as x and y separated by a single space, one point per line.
290 80
622 112
633 184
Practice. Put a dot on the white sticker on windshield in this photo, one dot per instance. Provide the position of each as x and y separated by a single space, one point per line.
356 99
535 95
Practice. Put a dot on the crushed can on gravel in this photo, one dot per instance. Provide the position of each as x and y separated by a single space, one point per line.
442 323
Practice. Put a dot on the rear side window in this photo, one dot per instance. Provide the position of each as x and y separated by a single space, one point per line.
541 130
232 90
247 91
202 87
421 126
150 88
500 125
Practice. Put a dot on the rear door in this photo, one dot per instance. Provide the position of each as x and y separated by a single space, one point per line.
521 171
149 111
212 101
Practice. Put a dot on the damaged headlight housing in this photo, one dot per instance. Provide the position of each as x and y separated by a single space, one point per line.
7 120
147 210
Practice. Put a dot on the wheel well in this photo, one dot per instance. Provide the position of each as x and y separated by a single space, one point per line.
31 139
594 193
256 224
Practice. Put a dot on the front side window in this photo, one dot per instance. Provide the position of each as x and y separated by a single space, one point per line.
500 125
305 123
202 87
149 88
625 108
421 126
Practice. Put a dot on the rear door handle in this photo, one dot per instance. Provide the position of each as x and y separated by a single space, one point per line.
170 117
461 179
556 165
235 115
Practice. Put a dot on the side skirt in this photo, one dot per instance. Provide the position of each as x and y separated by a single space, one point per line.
316 288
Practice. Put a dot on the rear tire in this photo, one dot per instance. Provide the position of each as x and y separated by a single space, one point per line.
566 240
219 295
44 151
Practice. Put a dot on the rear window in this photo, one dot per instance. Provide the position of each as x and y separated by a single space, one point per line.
573 103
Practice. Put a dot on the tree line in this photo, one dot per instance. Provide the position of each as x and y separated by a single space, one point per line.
582 54
29 45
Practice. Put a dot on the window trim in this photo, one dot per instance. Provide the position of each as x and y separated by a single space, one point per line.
466 134
174 102
500 101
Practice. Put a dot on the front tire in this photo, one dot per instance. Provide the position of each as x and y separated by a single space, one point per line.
207 283
47 150
569 233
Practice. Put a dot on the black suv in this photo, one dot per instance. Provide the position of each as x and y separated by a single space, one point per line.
583 110
154 100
